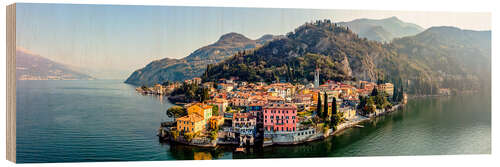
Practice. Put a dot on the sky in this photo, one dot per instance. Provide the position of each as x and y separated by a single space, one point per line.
115 40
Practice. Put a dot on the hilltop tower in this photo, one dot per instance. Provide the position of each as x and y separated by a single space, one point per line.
316 78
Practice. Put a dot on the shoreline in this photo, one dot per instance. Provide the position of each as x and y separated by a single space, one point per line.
320 136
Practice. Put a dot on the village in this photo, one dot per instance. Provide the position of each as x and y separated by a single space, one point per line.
259 114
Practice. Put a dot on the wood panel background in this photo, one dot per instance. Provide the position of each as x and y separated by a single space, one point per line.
11 83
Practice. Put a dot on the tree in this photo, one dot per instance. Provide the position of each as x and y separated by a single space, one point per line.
362 102
334 106
176 111
325 108
318 106
335 117
380 101
370 106
189 136
400 91
174 134
215 110
213 135
374 92
205 95
395 93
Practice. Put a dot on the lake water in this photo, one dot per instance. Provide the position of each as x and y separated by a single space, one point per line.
75 121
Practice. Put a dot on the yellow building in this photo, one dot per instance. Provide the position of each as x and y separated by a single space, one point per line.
387 88
203 110
216 121
190 123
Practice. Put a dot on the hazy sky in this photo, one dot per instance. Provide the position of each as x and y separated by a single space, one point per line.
114 38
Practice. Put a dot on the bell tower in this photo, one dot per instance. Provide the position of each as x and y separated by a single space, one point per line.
316 77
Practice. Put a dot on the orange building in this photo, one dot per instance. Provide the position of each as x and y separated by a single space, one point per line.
191 123
216 121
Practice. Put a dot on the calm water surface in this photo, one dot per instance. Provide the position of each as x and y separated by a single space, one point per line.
73 121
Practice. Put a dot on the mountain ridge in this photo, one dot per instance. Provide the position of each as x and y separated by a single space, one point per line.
385 29
31 66
425 61
194 64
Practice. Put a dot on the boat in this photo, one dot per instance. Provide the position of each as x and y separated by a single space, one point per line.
359 126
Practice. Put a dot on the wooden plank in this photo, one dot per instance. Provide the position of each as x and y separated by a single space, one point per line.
11 83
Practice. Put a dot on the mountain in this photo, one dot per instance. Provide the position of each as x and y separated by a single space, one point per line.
382 30
458 58
335 49
429 60
168 69
30 66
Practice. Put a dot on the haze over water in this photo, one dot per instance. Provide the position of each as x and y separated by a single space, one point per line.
107 120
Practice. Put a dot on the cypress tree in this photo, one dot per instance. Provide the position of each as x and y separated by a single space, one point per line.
374 92
400 93
334 117
318 106
334 106
395 93
325 112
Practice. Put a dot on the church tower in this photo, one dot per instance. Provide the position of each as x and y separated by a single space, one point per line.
316 78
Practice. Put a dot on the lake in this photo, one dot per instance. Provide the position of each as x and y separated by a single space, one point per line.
107 120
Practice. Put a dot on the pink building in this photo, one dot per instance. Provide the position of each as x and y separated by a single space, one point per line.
280 117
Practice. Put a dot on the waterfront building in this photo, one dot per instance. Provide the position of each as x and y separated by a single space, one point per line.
191 123
349 112
203 110
388 88
244 123
280 117
215 122
159 89
255 108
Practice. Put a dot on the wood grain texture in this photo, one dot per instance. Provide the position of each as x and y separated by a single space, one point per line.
11 83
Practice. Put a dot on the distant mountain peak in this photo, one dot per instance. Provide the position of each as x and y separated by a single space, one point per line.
393 18
443 28
266 37
194 64
232 37
383 30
